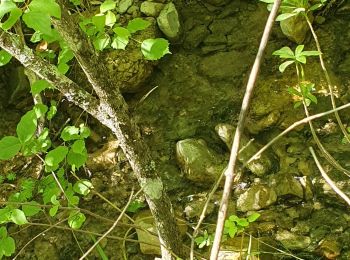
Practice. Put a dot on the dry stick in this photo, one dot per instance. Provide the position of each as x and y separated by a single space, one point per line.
110 229
230 173
328 79
327 179
291 127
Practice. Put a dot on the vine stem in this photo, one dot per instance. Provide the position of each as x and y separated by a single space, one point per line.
328 79
230 173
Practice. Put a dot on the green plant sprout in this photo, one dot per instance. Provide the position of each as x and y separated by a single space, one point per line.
204 240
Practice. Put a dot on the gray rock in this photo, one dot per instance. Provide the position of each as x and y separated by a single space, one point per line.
200 164
151 8
169 23
224 65
124 5
194 37
292 241
256 197
295 28
259 166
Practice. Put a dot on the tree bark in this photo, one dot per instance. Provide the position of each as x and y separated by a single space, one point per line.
111 110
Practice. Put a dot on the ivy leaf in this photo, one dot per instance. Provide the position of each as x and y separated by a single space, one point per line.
18 217
70 133
9 147
54 157
82 187
154 49
76 219
49 7
107 5
38 21
137 24
15 14
27 126
5 57
7 246
31 209
101 42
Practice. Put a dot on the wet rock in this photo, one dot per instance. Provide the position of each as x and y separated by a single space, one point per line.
124 5
217 2
223 26
329 247
194 37
256 197
169 23
214 39
295 28
145 220
213 48
151 8
200 164
224 65
259 166
292 241
286 185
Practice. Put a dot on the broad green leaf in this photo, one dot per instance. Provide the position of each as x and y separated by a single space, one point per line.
122 32
53 210
18 217
40 85
3 232
54 157
8 246
27 126
122 38
76 160
101 42
53 110
284 53
82 187
5 57
40 110
295 92
31 209
70 133
285 16
76 219
63 68
5 215
310 53
284 65
78 146
38 21
110 19
107 5
135 206
242 222
301 59
84 131
312 98
6 7
154 49
49 7
9 147
15 14
99 21
137 24
298 50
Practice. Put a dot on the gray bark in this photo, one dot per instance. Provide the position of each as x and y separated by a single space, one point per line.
111 110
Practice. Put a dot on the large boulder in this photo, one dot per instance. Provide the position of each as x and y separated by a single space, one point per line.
169 22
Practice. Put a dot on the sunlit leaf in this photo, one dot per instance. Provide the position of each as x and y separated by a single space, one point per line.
9 147
154 49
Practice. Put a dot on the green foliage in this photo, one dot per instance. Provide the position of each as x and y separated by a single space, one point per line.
154 49
135 206
204 240
7 243
235 225
5 57
305 91
9 147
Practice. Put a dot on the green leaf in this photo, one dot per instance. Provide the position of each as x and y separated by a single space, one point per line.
27 126
3 232
49 7
5 57
122 38
82 187
54 157
7 246
101 42
135 206
6 7
70 133
298 50
242 222
107 5
18 217
40 110
110 19
315 7
154 49
40 85
284 65
9 147
15 14
301 59
284 53
53 210
84 131
31 209
285 16
53 110
99 21
310 53
295 92
137 24
76 160
38 21
78 146
76 219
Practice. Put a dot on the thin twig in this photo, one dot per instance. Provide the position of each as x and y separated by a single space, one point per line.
327 179
230 174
